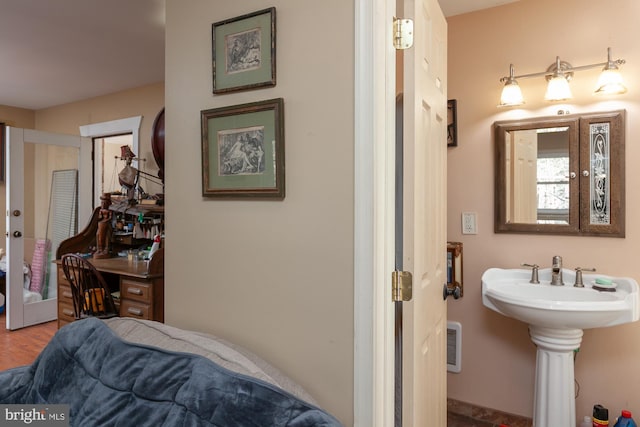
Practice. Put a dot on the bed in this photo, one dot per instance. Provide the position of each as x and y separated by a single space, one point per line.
125 371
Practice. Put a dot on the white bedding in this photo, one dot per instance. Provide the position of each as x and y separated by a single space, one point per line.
26 271
226 354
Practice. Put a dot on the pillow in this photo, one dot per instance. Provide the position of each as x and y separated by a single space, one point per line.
224 353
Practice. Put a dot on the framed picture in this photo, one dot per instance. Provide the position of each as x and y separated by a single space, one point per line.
244 52
452 123
243 150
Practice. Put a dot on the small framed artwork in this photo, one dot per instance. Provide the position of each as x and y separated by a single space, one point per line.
452 123
243 150
244 52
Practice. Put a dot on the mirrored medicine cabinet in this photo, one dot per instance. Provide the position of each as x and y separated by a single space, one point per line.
561 175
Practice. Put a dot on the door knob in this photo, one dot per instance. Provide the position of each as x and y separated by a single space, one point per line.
17 234
455 291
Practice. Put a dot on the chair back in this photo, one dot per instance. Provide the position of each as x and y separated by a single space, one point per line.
89 290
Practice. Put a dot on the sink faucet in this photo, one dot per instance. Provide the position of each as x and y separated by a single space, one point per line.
556 271
534 272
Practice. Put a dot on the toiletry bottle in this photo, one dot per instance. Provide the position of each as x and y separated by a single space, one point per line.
600 416
155 246
586 422
625 420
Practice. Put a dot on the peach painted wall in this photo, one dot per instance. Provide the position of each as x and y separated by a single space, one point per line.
498 359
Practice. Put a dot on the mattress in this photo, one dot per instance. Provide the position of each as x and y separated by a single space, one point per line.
224 353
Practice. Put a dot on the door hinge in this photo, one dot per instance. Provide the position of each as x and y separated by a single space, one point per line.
401 286
402 33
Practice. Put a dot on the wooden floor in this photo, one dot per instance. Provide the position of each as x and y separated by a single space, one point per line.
22 346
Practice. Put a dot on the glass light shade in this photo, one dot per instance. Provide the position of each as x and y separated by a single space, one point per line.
610 82
558 89
511 95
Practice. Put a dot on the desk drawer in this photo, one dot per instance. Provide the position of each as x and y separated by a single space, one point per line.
132 289
130 308
65 311
64 293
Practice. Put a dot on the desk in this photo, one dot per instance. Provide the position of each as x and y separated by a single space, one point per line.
141 286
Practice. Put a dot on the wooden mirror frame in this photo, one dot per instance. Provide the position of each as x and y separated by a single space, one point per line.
579 162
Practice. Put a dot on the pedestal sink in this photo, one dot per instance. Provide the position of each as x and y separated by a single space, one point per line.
556 316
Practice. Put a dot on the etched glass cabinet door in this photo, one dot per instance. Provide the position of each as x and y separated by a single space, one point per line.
602 174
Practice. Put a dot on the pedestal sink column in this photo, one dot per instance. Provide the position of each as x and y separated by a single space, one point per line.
554 403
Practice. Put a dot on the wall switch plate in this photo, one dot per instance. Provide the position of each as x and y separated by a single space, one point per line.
469 223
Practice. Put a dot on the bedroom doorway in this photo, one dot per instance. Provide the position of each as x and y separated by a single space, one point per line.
128 128
424 386
48 187
107 162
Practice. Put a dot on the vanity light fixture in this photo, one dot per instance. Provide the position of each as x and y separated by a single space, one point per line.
558 75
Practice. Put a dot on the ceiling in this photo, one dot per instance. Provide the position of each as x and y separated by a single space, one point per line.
53 52
57 51
458 7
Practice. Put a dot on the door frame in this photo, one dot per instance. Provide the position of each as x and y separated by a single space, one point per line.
374 225
130 125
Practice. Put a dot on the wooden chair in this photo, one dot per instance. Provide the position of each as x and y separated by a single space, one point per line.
90 292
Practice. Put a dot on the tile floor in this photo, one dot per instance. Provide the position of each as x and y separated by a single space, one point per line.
457 420
462 414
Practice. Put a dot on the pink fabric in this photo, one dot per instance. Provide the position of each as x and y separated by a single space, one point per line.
38 264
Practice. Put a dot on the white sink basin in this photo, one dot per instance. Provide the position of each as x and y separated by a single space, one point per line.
509 292
556 316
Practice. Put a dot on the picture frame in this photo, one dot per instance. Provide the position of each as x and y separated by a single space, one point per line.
244 52
243 151
452 123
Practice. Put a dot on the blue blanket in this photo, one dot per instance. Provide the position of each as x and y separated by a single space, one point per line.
110 382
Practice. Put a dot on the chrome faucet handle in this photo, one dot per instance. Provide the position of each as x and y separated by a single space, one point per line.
534 272
579 270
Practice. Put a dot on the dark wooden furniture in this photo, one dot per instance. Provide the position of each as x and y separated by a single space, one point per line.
157 143
90 292
140 283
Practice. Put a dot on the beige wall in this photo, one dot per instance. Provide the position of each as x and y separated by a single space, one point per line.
498 359
17 117
273 276
145 101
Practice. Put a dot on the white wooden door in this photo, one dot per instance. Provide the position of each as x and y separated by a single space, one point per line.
524 166
28 188
425 204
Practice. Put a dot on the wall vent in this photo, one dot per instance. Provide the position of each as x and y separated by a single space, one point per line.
454 347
